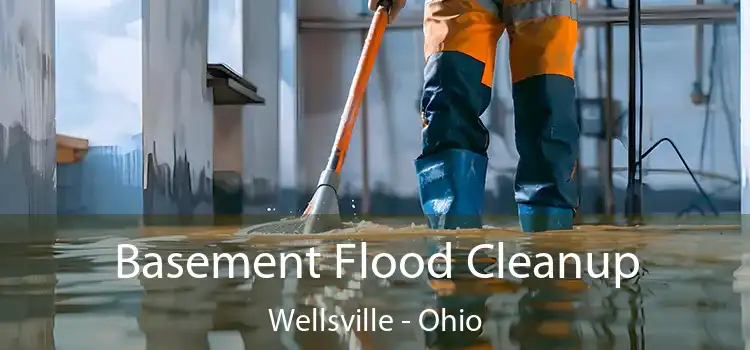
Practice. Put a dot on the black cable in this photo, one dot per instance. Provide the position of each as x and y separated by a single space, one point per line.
687 168
712 193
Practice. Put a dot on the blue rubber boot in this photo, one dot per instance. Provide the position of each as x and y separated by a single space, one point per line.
451 188
547 141
536 218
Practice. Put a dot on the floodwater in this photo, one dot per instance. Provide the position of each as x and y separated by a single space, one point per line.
67 296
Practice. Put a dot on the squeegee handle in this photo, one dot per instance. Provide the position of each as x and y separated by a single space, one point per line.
357 89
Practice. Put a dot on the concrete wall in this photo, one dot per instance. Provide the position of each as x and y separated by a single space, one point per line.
228 160
228 139
27 116
177 108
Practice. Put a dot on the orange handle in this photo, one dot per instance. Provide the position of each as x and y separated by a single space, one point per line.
357 90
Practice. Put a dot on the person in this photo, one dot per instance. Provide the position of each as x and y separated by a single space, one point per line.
461 39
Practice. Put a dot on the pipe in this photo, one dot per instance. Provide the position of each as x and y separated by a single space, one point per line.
633 196
662 15
744 97
605 147
652 15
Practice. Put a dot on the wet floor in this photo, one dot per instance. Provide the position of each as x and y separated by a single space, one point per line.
67 296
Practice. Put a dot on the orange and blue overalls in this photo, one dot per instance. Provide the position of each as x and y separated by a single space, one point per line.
461 39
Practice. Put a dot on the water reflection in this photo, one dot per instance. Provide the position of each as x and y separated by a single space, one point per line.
70 290
27 297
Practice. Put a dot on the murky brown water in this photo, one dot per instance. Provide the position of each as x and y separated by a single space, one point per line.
67 296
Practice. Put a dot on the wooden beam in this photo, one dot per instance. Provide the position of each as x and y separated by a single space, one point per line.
72 142
70 149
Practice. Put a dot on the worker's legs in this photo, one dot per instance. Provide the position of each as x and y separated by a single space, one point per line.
460 42
543 36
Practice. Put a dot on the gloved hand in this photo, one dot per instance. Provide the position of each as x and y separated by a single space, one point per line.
396 7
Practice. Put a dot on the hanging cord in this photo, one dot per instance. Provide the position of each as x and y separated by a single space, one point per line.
687 168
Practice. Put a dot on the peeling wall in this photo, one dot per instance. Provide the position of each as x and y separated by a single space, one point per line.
27 116
177 108
27 120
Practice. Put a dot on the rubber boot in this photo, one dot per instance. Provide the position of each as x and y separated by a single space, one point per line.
537 218
451 188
